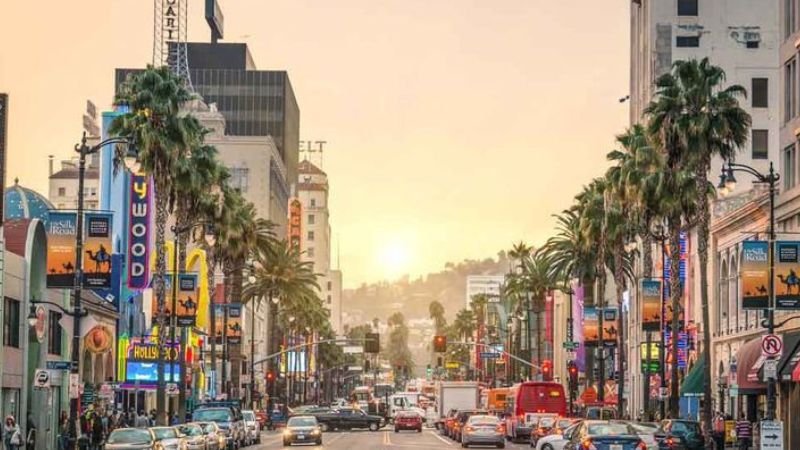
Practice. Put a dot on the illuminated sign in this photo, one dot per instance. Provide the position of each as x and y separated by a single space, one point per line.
148 372
139 232
295 223
150 352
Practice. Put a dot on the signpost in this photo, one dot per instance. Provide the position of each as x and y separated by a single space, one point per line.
770 369
41 379
771 346
452 365
771 435
172 389
59 365
490 355
570 345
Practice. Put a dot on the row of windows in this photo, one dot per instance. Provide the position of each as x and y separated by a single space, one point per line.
694 41
87 192
11 330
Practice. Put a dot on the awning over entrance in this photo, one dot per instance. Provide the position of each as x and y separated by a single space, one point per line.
791 355
748 361
693 383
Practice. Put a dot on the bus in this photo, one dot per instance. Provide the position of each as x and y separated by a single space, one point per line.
526 401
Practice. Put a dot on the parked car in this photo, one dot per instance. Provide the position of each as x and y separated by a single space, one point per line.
228 419
349 418
557 441
168 438
680 434
302 429
482 429
461 420
131 439
407 420
215 440
253 429
193 436
604 434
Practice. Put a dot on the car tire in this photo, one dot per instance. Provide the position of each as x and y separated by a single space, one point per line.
286 443
464 445
319 441
373 426
419 430
547 447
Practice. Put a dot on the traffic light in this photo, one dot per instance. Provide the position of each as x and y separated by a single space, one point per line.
572 370
547 370
440 344
270 376
429 371
372 343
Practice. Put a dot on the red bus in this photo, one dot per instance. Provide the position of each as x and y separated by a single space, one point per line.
528 401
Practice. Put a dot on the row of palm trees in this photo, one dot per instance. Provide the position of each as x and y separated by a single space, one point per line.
191 186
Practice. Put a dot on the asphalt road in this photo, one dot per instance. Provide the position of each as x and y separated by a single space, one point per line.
383 439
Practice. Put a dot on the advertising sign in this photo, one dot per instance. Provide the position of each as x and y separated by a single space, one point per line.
755 274
186 310
610 327
787 282
234 329
139 224
590 327
651 305
148 372
62 235
771 435
167 301
295 224
667 269
219 322
97 250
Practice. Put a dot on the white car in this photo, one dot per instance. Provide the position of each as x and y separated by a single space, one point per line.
252 428
556 441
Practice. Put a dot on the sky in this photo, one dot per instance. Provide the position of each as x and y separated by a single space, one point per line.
455 128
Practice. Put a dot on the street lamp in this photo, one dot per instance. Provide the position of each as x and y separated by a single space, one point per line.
658 231
727 185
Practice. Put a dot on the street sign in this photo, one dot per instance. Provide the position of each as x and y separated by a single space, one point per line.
354 368
352 349
452 365
59 365
489 355
734 391
570 345
771 345
172 389
770 369
41 379
771 435
74 386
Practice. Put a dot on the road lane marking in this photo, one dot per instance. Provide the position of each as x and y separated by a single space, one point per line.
434 434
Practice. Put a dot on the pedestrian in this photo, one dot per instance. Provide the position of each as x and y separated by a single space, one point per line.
30 440
744 432
12 437
63 431
719 431
98 434
142 421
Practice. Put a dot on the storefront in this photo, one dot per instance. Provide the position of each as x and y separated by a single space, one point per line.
752 392
789 388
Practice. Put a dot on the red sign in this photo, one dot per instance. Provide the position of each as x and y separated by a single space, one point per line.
295 223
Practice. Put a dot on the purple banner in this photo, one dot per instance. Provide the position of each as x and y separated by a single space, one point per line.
139 224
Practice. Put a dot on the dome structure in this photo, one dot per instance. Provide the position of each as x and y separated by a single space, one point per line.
24 203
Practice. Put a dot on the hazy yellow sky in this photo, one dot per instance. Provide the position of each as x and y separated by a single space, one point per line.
454 127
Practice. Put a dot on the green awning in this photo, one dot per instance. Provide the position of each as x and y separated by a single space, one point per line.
694 382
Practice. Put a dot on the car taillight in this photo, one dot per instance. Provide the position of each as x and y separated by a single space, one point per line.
587 445
469 429
500 428
641 446
669 441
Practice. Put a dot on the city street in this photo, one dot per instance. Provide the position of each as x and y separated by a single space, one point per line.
386 438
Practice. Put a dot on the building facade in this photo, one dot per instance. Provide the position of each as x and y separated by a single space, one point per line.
63 189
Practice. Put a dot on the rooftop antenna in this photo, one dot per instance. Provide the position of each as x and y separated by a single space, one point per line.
170 19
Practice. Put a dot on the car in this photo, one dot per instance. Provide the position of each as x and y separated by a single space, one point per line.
447 422
461 420
408 420
131 439
263 418
349 418
483 429
541 428
302 429
228 419
215 440
604 434
252 428
557 441
680 434
600 413
168 438
647 432
193 436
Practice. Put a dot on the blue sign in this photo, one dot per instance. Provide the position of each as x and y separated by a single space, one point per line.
490 355
684 248
59 365
148 372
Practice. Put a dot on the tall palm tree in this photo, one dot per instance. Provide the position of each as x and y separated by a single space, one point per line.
436 312
163 136
695 118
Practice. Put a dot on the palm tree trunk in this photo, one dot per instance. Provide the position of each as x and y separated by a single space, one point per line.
675 293
181 241
601 289
212 287
161 223
702 251
619 280
647 255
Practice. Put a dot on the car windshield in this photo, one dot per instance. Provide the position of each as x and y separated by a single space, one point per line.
546 422
483 421
644 428
130 436
606 429
190 430
302 422
249 416
213 415
165 433
564 423
208 427
685 428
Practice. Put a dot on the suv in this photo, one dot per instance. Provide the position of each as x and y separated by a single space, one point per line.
229 419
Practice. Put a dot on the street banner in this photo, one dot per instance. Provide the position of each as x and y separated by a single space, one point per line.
167 300
590 330
295 223
755 274
139 223
651 305
610 327
97 249
62 235
219 322
186 311
787 282
234 329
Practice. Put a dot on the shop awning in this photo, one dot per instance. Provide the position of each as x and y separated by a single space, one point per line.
693 383
748 361
791 355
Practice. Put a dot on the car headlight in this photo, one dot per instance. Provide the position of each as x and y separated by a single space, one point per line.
287 432
222 442
315 431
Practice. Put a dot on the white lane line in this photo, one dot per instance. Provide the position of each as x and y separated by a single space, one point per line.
434 434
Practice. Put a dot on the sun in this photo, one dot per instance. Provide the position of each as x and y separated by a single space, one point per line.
394 258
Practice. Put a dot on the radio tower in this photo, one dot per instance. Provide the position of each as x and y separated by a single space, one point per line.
169 37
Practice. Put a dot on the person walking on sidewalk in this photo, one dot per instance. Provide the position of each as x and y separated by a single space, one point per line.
744 432
719 431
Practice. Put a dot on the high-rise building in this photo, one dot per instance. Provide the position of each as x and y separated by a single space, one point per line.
312 191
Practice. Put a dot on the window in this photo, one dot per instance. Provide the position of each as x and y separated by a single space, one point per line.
688 41
330 285
789 166
312 203
311 219
790 17
329 299
760 92
62 192
11 323
54 333
687 7
310 236
760 144
310 252
790 81
239 178
752 44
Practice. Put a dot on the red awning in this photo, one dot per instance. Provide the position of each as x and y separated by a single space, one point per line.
748 361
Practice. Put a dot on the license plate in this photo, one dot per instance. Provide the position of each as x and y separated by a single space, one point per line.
615 447
303 436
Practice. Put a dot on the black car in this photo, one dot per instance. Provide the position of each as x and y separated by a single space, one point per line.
349 418
604 434
302 430
678 433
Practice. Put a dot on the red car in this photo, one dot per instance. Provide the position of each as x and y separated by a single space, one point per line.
262 418
407 420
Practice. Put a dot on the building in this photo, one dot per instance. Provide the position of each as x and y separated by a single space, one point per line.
63 190
316 241
490 285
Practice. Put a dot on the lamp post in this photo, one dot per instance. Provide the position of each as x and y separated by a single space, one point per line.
251 278
131 162
658 232
727 184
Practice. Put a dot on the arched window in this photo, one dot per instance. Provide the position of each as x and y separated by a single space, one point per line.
723 294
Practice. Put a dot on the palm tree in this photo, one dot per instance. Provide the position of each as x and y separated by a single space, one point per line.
436 312
695 119
464 324
163 137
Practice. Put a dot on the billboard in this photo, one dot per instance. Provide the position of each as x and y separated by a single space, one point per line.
219 322
651 305
62 236
234 328
755 274
590 327
139 223
186 309
295 223
97 250
167 301
787 282
610 327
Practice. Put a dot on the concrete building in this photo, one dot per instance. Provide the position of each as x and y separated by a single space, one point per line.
491 285
316 242
63 189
